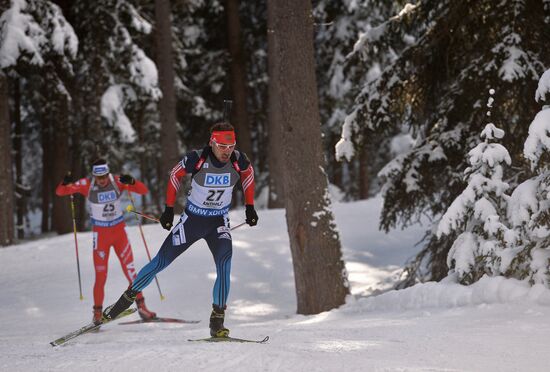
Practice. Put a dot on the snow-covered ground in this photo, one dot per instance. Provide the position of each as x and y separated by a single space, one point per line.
494 325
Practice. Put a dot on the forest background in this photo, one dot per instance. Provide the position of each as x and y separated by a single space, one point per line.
403 91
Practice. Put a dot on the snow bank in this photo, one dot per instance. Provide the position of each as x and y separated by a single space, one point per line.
449 294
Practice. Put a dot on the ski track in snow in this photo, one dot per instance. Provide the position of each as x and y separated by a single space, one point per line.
495 325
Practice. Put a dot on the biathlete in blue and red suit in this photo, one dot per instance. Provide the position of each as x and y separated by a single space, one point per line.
215 170
103 192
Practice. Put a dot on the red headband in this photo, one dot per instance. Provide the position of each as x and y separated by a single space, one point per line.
224 137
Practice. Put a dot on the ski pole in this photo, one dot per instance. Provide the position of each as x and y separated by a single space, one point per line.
143 236
236 227
132 209
76 247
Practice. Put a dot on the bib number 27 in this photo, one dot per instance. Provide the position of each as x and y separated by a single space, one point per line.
214 195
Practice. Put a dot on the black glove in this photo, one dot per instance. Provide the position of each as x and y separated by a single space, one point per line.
67 179
251 215
167 217
127 179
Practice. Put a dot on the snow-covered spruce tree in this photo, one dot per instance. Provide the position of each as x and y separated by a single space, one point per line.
254 37
37 44
343 67
115 88
455 48
529 206
113 72
479 212
201 68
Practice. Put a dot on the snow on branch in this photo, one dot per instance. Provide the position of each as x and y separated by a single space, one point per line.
112 109
23 34
138 22
344 147
407 9
543 87
523 202
491 132
374 34
538 140
63 37
144 73
19 33
517 64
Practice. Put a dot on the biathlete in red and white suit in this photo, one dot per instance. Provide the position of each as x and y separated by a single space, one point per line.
215 171
103 193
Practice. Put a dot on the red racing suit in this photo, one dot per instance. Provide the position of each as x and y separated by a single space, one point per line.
108 226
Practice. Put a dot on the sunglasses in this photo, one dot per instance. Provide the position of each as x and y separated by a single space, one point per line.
224 147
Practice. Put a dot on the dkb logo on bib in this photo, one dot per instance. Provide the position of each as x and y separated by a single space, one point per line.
107 196
213 179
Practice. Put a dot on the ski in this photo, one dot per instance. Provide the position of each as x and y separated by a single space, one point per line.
161 320
230 339
89 328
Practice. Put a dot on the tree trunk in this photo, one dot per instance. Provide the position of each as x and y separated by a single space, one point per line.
142 141
156 193
364 174
167 104
6 180
237 68
319 271
276 187
78 122
47 182
61 214
20 188
337 176
78 167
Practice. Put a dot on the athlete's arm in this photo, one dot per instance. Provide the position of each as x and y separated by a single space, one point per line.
138 187
247 179
185 166
82 186
174 183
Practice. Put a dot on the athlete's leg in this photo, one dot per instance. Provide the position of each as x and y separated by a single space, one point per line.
123 250
125 255
177 242
221 247
101 246
219 242
185 233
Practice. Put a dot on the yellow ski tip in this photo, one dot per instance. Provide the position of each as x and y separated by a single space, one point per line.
130 208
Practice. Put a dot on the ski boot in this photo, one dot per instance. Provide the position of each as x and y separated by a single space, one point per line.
98 313
143 311
124 302
216 322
